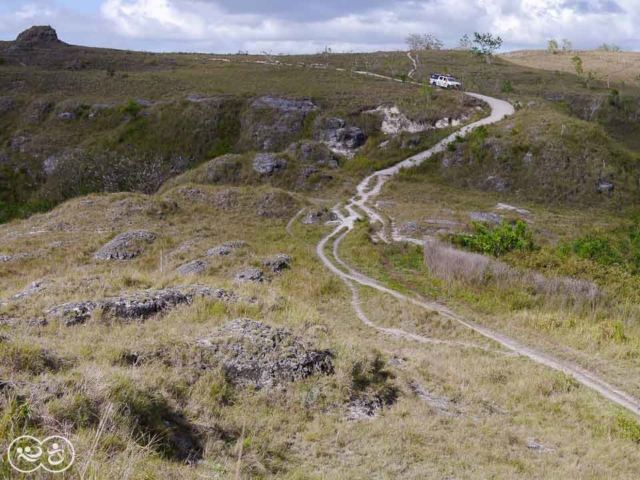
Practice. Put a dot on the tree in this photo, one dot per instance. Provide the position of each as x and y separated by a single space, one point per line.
465 43
485 44
567 45
424 41
605 47
552 46
586 78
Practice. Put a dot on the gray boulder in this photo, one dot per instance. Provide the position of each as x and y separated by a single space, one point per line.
340 138
278 263
313 152
605 186
73 313
257 355
192 268
319 216
138 305
126 246
226 248
268 164
485 217
271 123
250 274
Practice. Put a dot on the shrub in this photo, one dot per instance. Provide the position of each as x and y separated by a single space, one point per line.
497 241
507 86
132 108
628 428
2 61
620 248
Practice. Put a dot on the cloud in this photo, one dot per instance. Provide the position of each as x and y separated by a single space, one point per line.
292 26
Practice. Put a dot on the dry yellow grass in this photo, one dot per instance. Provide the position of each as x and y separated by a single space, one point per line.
617 66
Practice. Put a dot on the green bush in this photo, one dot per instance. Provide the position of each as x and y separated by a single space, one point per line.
507 86
620 248
132 108
497 241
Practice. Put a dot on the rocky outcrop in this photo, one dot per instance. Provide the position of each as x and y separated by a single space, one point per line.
313 152
267 164
192 268
250 274
339 137
126 246
486 217
226 248
319 216
257 355
37 37
139 305
278 263
271 123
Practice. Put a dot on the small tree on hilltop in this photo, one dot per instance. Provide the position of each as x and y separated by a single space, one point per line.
485 44
552 46
567 46
465 43
425 41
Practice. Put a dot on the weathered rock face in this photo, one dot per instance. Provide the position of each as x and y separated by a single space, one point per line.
319 216
271 123
486 217
126 246
192 268
226 248
267 164
257 355
313 152
340 138
250 274
278 263
139 305
38 36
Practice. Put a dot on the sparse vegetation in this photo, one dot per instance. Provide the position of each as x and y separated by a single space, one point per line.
144 397
424 41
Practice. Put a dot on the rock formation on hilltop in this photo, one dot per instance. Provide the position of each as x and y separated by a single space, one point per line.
38 36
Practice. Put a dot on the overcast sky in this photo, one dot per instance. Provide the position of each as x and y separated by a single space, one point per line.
308 26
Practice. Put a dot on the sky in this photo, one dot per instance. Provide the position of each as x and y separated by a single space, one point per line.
308 26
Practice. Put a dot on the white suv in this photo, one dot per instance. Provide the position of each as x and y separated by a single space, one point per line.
444 81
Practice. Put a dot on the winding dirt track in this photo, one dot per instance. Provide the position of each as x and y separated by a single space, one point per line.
369 188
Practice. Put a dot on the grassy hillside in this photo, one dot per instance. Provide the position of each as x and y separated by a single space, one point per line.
540 156
169 410
168 313
618 67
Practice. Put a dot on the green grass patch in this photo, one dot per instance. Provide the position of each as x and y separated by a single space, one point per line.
497 241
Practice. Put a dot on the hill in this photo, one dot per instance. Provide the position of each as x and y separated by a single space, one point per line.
164 304
618 67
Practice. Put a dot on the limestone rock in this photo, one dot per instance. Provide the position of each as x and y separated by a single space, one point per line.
126 246
258 355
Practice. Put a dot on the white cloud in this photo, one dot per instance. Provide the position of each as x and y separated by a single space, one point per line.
290 26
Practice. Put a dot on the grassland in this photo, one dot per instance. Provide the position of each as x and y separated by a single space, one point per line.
496 407
457 412
618 67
